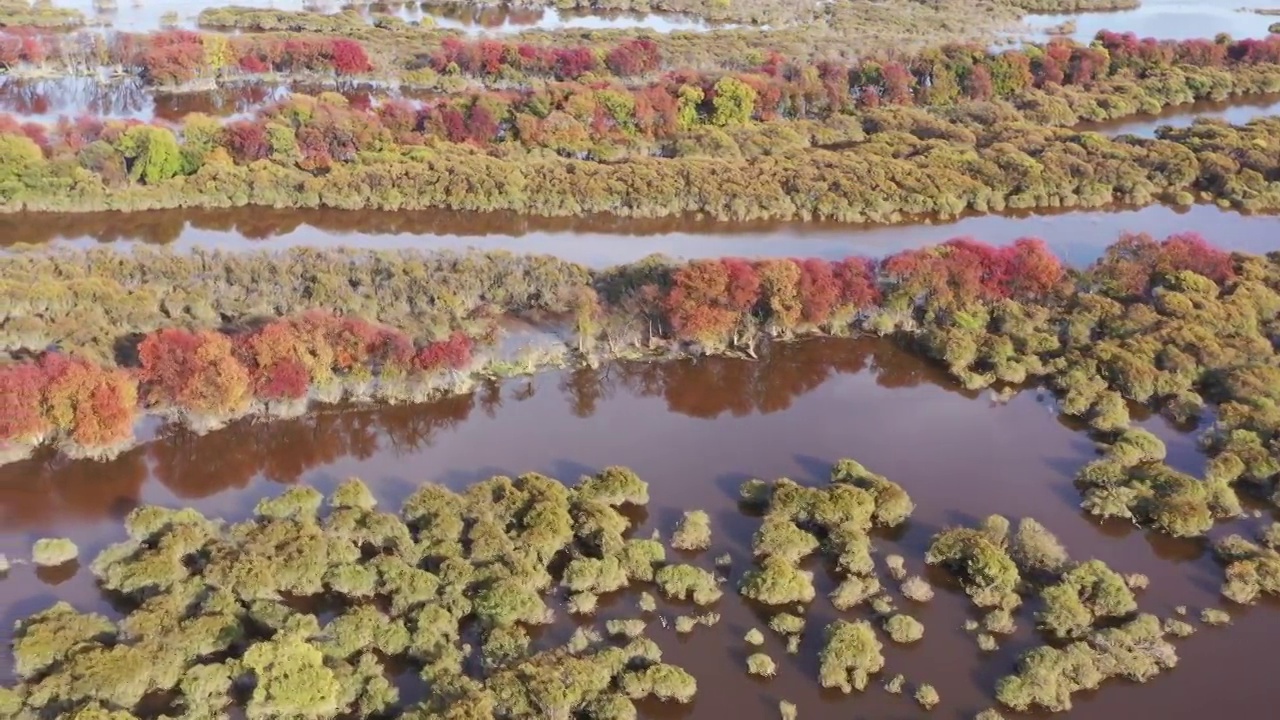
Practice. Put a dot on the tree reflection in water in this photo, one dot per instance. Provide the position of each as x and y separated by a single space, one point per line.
191 466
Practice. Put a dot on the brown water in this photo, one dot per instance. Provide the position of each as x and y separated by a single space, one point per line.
1079 236
694 431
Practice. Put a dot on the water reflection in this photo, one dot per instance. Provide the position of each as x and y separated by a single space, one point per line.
695 430
507 19
1077 236
190 467
47 100
1163 19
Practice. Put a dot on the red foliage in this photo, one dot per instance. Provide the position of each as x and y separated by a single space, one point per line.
634 57
21 403
709 297
857 278
1190 251
453 354
1135 261
1033 271
173 57
284 380
246 140
819 290
349 57
95 406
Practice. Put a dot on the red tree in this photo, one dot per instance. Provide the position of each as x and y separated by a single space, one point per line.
21 403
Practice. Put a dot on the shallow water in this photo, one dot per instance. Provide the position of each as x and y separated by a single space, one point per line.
1163 19
1079 237
48 100
1237 111
695 431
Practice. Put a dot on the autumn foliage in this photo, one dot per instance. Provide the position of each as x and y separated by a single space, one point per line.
716 303
1136 262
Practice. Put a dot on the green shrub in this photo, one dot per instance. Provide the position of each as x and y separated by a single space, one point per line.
850 655
761 665
51 552
777 582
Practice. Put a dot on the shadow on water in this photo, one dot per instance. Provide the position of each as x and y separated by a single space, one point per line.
695 431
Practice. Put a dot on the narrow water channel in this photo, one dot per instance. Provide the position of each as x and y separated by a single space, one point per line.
1079 237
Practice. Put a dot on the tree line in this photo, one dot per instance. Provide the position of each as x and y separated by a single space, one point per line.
321 152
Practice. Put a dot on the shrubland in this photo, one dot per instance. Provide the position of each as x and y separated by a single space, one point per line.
837 141
204 337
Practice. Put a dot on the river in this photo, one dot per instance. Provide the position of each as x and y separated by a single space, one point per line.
599 241
694 431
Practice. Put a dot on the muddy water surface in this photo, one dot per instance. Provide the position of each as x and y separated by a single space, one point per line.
1078 236
695 431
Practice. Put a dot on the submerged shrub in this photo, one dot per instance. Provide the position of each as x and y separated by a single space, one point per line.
786 624
688 582
851 653
777 582
754 637
1214 616
1086 593
761 665
917 588
892 504
693 532
853 591
50 552
985 570
927 696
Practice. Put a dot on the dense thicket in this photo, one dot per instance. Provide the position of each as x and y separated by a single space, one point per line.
779 141
318 154
1174 324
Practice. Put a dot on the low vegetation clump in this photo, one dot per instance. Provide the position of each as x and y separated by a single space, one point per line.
693 532
917 589
927 696
1036 550
754 637
51 552
1215 617
1048 676
761 665
786 624
450 587
904 628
